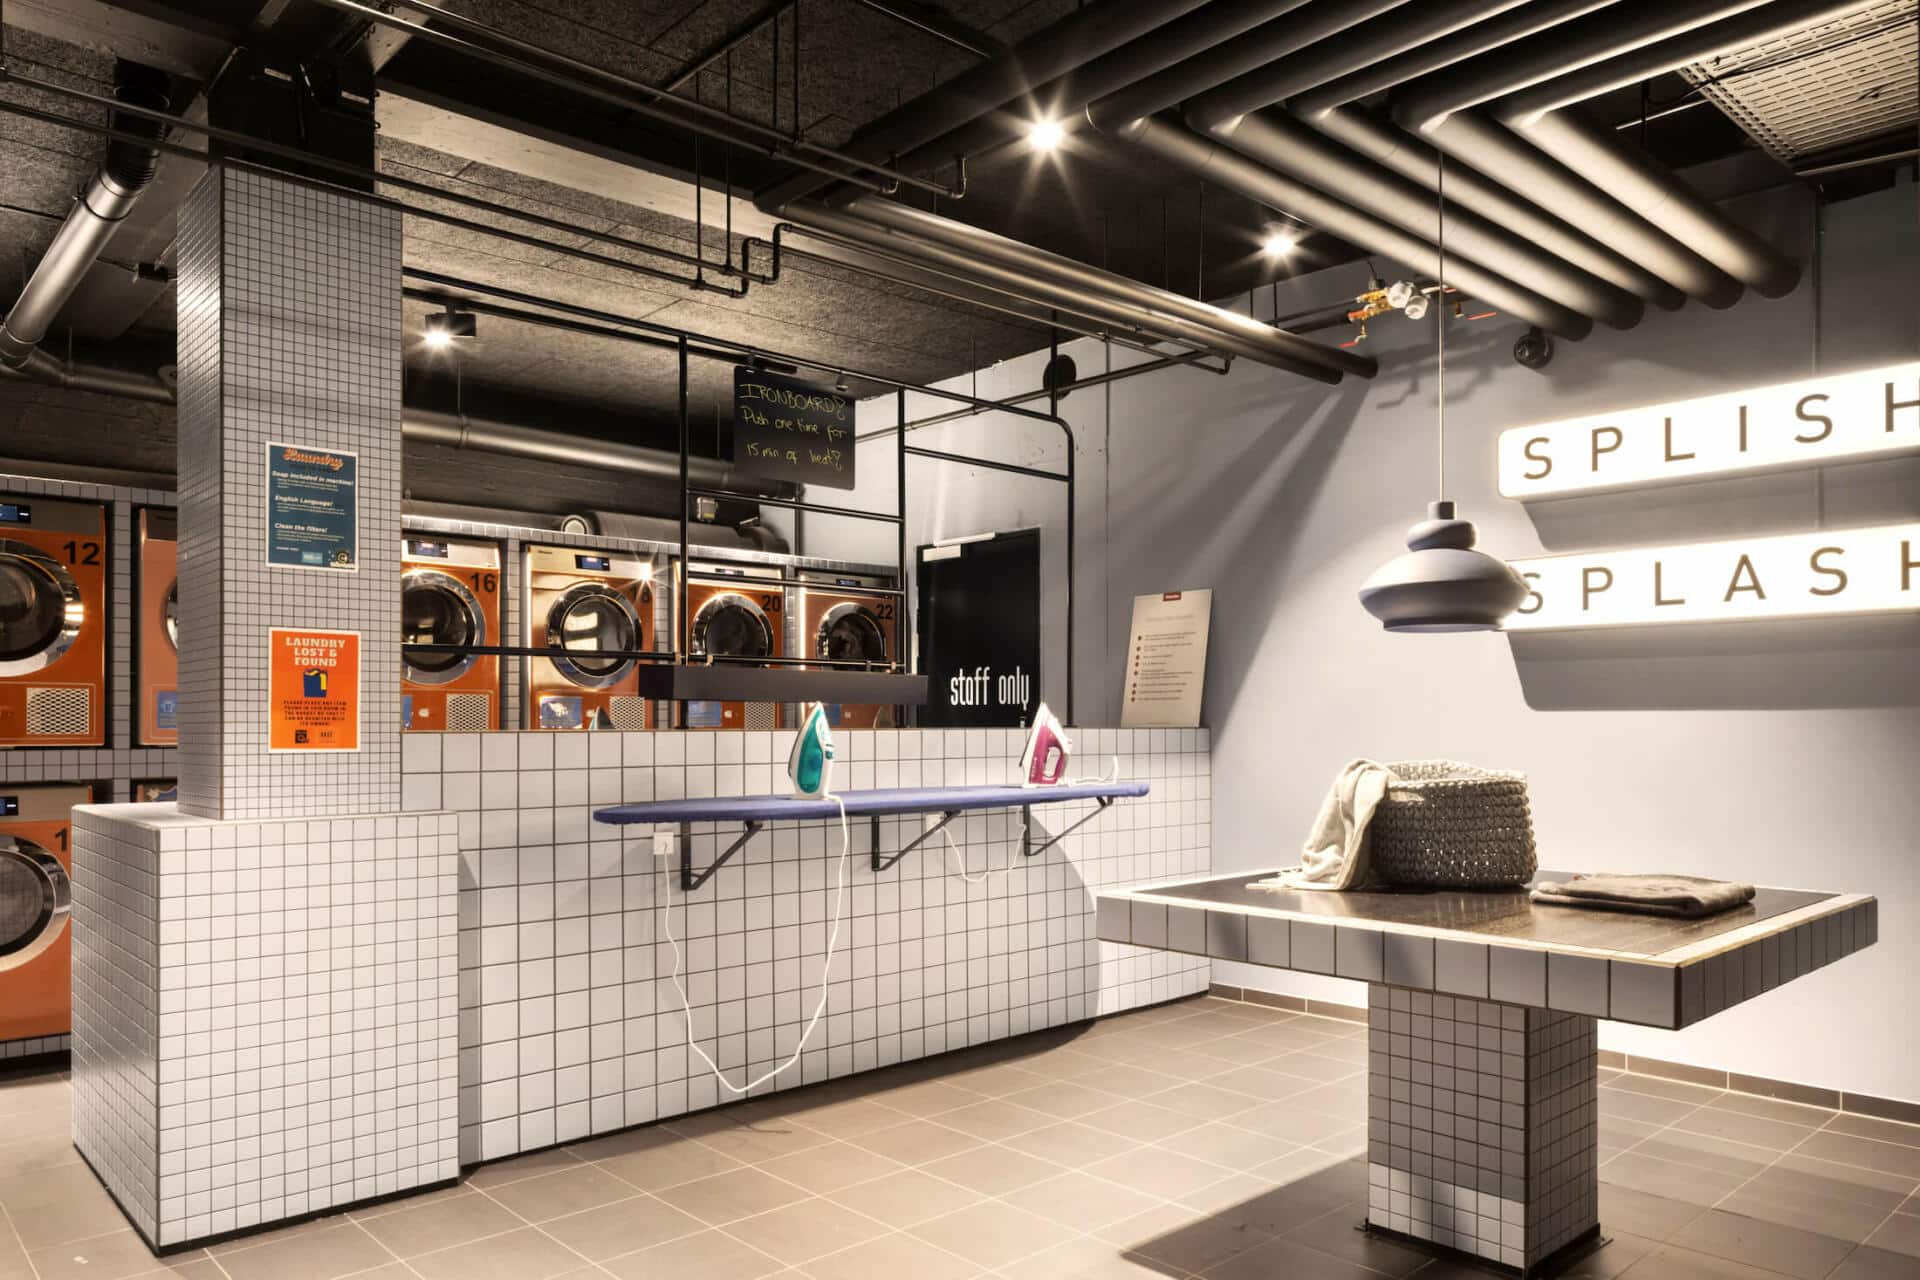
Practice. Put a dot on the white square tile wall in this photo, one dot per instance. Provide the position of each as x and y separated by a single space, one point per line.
569 1023
267 1013
1482 1120
290 331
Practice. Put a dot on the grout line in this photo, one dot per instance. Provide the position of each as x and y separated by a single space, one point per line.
26 1257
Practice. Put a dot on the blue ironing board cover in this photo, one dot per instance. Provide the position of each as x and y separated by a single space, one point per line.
860 803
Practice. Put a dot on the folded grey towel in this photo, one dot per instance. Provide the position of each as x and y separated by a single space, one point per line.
1649 894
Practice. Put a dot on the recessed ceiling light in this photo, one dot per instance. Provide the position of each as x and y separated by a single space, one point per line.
1045 135
438 339
1279 243
443 327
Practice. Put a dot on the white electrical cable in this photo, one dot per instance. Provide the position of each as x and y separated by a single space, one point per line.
826 969
960 865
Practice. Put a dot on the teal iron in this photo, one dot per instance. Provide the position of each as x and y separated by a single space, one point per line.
810 763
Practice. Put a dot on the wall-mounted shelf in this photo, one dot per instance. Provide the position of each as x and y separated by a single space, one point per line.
753 812
729 682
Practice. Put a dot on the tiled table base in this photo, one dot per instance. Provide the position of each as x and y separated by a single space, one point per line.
1482 1125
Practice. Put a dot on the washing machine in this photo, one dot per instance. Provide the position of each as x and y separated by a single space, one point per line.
156 602
36 903
587 600
842 618
53 623
731 618
155 791
449 594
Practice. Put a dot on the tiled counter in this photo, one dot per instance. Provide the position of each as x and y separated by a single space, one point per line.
265 1013
1482 1058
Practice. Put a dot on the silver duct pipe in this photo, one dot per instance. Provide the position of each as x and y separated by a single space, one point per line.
1068 95
1436 107
1325 108
1264 347
452 430
1227 168
1641 184
1073 41
1347 52
1291 149
109 196
1253 338
1276 39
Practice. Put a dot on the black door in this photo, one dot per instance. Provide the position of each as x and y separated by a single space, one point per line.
979 629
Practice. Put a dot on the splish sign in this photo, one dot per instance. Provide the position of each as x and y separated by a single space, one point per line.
784 429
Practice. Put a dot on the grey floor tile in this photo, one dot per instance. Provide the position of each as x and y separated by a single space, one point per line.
709 1255
1156 1172
501 1172
1338 1233
1670 1262
1900 1233
907 1198
1868 1263
1624 1209
728 1197
993 1170
891 1257
671 1163
807 1230
1081 1200
1668 1180
326 1254
993 1233
916 1142
621 1227
1906 1135
526 1254
562 1192
1185 1241
117 1255
441 1225
1868 1153
996 1120
1283 1257
1737 1127
1071 1144
831 1167
1766 1245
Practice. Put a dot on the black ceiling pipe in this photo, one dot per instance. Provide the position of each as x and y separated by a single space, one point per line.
1349 51
1275 39
1437 107
1318 363
1075 40
1038 263
1288 147
1635 180
1325 108
1180 146
1067 95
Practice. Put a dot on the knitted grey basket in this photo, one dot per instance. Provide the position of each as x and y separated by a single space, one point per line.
1449 825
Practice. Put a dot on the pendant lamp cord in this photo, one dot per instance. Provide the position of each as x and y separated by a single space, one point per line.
1440 311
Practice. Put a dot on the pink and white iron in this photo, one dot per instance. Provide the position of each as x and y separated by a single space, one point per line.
1044 762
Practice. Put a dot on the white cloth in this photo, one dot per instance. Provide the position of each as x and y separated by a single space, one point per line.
1337 854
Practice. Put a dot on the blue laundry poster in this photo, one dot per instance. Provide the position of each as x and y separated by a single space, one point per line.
313 512
166 709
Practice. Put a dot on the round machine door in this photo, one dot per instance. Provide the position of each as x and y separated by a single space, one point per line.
41 612
36 899
589 616
730 625
850 633
170 614
437 608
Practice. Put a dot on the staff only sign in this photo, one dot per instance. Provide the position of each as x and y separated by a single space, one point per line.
1846 417
1797 575
313 690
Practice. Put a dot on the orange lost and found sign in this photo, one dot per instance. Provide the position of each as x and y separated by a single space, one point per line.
313 690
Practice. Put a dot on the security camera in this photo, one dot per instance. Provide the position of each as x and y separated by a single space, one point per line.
1533 350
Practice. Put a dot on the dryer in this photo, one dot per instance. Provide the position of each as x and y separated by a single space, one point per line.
53 623
583 599
36 903
731 618
843 618
449 594
156 602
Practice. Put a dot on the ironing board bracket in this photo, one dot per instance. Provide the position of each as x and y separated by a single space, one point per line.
689 880
1027 847
882 863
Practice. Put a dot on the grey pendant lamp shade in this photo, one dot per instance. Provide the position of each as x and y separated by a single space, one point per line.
1442 583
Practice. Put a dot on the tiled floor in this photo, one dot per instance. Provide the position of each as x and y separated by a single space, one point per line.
1204 1138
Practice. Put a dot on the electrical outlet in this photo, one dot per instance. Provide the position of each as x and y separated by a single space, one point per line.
663 844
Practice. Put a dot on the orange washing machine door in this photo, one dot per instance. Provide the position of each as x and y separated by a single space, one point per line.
157 602
36 903
53 623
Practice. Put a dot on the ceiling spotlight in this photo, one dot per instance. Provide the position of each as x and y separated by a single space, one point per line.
444 326
1279 243
1045 135
840 384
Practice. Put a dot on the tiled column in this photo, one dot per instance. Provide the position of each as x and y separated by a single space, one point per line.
266 987
1481 1124
290 331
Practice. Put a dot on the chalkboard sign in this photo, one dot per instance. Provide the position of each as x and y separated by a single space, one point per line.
786 430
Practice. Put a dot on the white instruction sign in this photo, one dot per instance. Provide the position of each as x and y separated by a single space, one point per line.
1166 660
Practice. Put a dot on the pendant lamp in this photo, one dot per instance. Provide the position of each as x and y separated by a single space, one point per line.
1442 583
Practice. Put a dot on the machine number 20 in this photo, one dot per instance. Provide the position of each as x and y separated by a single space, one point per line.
82 552
771 603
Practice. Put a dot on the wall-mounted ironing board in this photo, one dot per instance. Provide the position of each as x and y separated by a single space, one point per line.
754 812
